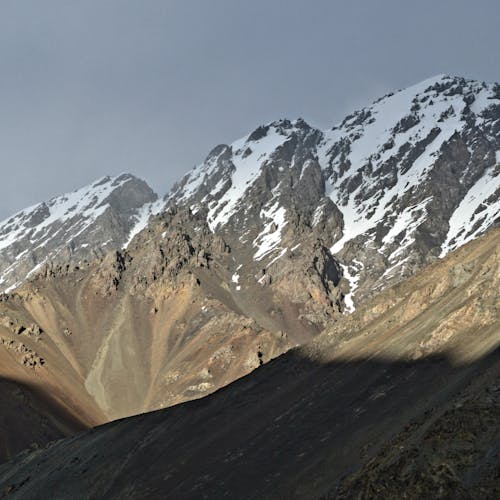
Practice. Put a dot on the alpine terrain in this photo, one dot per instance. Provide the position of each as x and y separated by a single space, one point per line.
80 225
393 186
349 275
402 396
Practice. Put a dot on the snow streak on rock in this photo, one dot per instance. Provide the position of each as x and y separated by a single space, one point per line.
475 213
400 182
270 237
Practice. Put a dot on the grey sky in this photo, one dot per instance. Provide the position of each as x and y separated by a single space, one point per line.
95 87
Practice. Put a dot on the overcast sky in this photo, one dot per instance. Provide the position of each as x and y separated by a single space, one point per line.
96 87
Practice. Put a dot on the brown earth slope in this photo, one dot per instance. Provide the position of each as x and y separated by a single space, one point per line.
158 324
304 424
37 405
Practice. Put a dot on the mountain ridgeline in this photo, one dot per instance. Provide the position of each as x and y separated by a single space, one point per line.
394 186
119 302
81 225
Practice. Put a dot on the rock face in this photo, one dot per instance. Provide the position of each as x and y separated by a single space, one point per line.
165 310
84 224
405 389
393 187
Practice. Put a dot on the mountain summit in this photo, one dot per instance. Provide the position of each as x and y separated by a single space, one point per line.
83 224
392 187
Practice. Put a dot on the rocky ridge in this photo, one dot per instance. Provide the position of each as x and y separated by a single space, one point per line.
84 224
391 188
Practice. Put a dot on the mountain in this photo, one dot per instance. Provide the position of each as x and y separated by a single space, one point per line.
163 317
84 224
393 187
400 396
146 303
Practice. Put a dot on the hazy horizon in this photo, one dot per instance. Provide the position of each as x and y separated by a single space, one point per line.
92 89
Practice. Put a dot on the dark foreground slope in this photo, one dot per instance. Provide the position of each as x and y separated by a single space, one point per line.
391 377
450 454
30 416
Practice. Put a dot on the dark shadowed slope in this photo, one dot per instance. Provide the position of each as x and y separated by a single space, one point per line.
300 425
292 430
31 416
450 454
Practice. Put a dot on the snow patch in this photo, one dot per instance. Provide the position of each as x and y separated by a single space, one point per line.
389 270
317 214
474 214
353 285
278 257
142 218
268 239
13 287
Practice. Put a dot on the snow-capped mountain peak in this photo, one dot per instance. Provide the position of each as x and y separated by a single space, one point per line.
408 129
410 177
388 189
87 221
229 170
